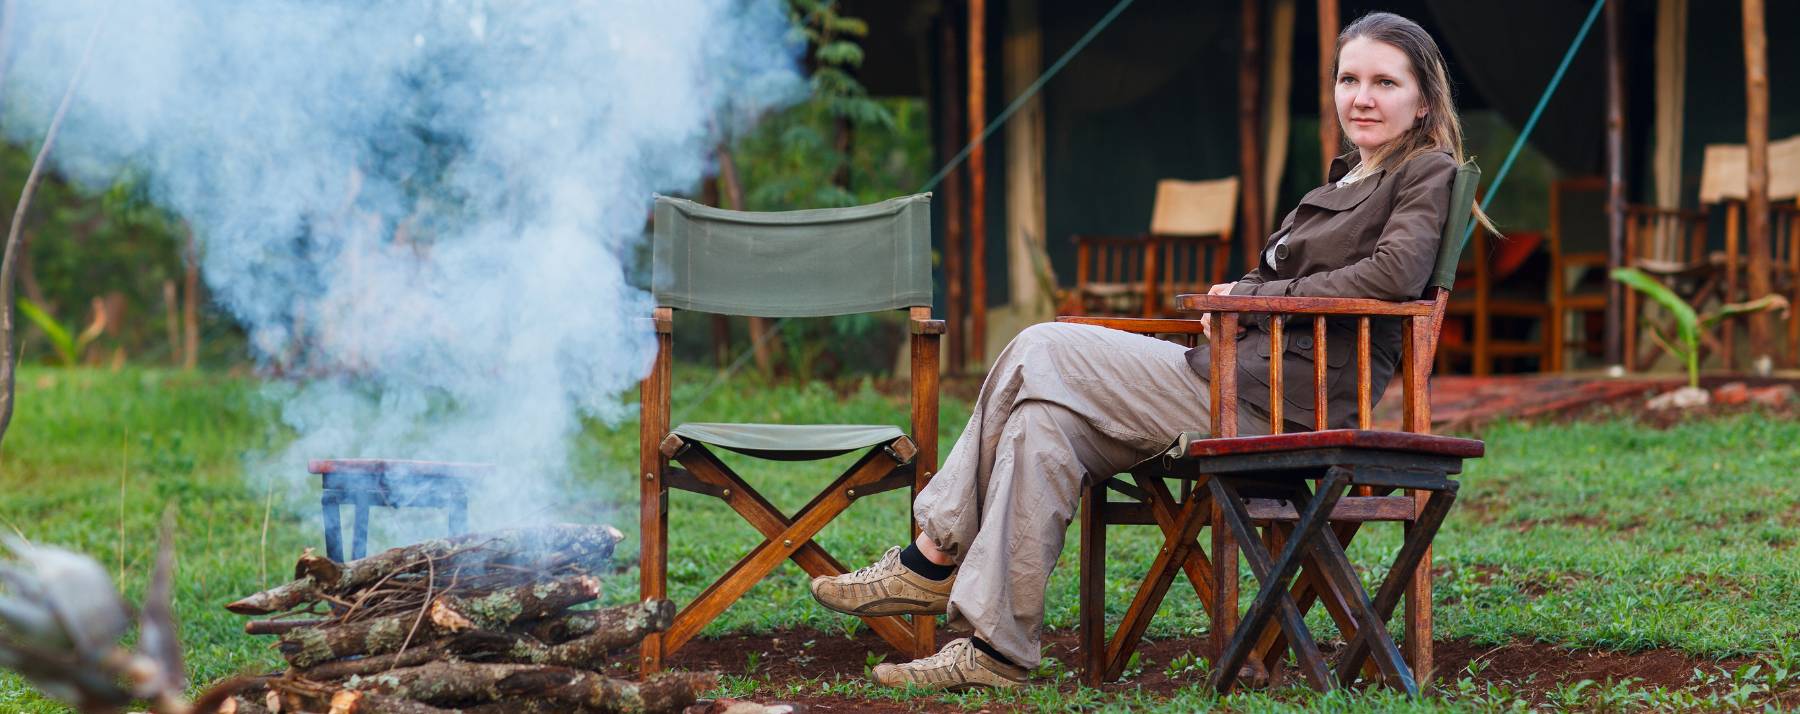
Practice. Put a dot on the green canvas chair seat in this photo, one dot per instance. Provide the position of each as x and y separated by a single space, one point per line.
790 442
789 264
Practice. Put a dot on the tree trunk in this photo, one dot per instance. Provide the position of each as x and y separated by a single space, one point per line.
731 195
190 303
1756 142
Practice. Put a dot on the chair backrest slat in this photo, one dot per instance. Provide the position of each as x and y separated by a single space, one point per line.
813 263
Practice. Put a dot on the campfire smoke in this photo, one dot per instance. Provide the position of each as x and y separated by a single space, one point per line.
426 207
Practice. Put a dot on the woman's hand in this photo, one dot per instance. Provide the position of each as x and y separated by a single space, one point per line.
1205 317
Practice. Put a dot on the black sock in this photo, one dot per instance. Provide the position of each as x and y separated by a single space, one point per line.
916 561
987 649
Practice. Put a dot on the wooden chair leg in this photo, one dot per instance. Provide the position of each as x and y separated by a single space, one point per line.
1413 552
1310 588
1272 599
653 562
776 530
1194 515
1093 584
1417 645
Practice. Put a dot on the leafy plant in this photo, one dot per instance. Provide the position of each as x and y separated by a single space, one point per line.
1688 323
69 348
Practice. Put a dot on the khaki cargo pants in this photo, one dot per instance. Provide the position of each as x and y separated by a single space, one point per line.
1063 404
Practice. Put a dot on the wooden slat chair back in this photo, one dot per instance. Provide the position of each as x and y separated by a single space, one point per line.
1262 481
1577 238
1724 182
1110 275
790 264
1784 227
1191 225
1670 245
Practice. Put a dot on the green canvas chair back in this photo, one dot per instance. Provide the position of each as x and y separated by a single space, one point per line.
812 263
1456 225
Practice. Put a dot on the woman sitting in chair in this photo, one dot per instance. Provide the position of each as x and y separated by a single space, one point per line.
1067 402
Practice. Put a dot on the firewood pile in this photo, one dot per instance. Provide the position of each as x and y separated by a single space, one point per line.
475 623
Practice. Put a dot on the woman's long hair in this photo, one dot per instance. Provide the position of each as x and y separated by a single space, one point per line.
1439 129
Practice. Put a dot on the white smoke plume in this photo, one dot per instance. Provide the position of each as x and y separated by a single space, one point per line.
431 201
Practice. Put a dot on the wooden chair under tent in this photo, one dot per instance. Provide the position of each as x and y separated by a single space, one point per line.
793 264
1309 492
1185 251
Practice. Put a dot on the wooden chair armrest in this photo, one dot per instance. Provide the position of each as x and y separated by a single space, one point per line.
1204 238
1589 260
1140 325
1093 239
1303 305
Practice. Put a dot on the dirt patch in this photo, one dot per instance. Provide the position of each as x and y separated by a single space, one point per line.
785 658
1536 669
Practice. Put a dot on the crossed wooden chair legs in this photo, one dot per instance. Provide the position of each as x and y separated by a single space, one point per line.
883 468
1296 565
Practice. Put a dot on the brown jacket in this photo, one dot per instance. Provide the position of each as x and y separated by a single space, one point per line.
1375 238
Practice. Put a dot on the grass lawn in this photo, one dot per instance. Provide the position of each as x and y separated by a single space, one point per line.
1604 537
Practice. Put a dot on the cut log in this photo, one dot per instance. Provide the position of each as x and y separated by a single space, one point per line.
499 610
637 619
449 682
240 705
354 702
277 599
310 646
276 627
589 651
528 548
318 567
412 656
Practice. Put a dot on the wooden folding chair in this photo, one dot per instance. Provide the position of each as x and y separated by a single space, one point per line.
1185 251
1577 238
1262 481
1670 246
1784 228
795 264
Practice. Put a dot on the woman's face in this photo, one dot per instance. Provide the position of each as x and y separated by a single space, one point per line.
1378 96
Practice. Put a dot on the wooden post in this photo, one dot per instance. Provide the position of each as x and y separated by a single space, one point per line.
1330 137
1756 142
1671 90
1278 75
1615 182
977 182
1025 227
956 336
1250 231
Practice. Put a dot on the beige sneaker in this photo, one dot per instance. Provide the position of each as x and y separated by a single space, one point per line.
958 666
885 588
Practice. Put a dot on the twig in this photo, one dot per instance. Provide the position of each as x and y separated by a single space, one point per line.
9 258
268 509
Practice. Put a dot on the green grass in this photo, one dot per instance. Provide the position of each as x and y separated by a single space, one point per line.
1598 536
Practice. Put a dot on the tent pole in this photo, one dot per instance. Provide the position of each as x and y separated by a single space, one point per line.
1250 182
1329 139
1615 182
1756 142
977 182
952 123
